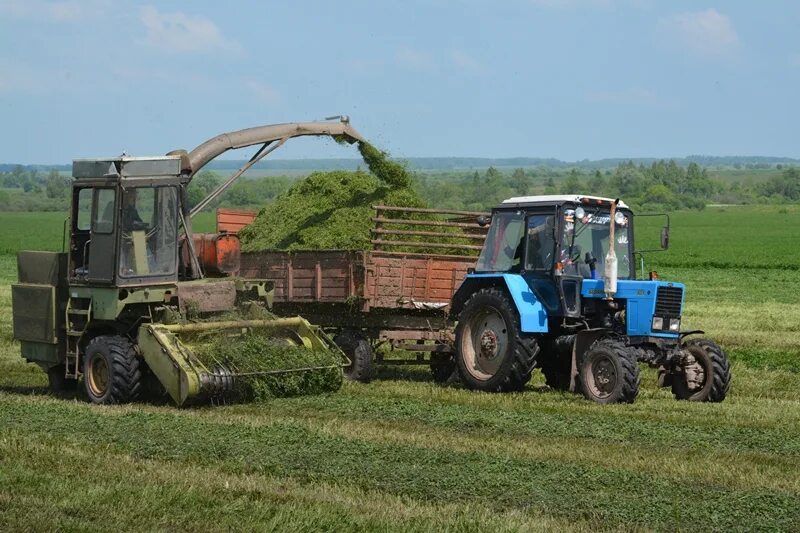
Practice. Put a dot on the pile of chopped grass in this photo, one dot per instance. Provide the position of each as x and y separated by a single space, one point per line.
261 352
332 210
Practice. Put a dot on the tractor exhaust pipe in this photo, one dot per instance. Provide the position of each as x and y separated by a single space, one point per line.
610 274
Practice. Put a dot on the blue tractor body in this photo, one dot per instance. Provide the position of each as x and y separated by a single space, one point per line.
555 287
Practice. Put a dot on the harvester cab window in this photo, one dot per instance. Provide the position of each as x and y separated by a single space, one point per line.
149 233
103 220
505 243
84 210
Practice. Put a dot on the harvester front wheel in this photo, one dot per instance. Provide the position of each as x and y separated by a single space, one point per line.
111 372
704 374
491 354
609 373
358 349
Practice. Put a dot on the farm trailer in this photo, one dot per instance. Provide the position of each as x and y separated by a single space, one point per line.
397 294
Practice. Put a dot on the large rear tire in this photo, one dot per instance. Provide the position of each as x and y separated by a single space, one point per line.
358 349
111 372
491 354
609 373
704 374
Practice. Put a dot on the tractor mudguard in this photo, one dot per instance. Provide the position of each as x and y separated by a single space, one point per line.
532 314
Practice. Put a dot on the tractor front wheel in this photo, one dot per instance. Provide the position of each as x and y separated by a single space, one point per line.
491 354
111 372
609 373
703 374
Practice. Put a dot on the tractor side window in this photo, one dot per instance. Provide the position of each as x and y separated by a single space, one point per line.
541 242
84 214
503 249
103 221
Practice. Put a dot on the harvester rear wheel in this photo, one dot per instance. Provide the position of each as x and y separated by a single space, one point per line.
111 372
491 354
60 386
358 349
609 373
705 373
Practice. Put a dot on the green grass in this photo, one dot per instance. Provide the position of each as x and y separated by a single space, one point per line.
405 454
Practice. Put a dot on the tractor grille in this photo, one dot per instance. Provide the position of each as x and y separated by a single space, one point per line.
668 301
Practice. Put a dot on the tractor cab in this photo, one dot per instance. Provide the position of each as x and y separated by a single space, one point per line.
125 216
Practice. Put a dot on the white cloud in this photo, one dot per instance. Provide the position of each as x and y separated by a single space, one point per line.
415 59
465 62
263 92
179 32
707 34
51 11
633 95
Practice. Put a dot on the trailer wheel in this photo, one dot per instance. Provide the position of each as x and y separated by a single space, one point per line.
60 386
358 349
704 374
609 373
111 372
442 366
491 354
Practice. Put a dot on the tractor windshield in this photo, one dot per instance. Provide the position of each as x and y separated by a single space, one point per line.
584 242
149 237
503 249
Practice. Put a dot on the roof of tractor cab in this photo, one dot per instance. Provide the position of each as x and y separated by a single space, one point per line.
127 167
558 199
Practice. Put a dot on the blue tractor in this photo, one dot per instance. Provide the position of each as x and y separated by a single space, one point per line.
555 288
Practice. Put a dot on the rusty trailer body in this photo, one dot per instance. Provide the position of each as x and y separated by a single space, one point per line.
397 293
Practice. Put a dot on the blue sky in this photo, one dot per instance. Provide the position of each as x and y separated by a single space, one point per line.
570 79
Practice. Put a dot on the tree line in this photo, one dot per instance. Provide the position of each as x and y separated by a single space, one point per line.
662 185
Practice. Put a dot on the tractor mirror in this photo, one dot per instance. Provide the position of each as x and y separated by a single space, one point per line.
665 237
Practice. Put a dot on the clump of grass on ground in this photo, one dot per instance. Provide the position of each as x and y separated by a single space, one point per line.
332 210
251 353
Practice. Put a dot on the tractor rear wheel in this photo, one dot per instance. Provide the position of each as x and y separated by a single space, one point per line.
358 349
609 373
60 386
704 374
491 354
111 372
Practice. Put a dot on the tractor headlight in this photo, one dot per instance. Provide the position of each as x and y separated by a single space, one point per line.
658 323
675 324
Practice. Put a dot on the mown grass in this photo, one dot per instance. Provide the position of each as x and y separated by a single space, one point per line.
405 454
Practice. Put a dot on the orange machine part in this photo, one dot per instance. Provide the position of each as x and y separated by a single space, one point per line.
232 220
218 254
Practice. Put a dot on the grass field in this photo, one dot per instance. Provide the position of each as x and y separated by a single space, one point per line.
405 454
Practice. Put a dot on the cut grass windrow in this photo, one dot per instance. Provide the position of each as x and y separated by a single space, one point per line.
503 482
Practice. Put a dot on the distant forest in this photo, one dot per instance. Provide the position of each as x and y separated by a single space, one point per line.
645 184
